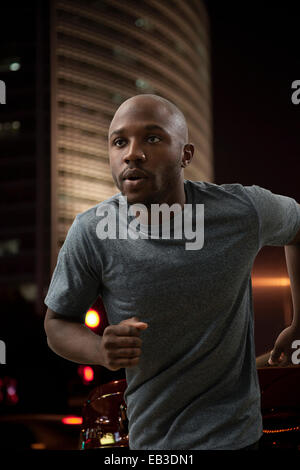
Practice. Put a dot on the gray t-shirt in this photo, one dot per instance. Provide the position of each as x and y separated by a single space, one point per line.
196 385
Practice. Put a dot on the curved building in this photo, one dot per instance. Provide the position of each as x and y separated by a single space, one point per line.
104 52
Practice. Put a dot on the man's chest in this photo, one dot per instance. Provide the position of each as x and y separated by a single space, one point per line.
161 275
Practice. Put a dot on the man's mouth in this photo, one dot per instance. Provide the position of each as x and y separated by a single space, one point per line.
134 182
134 178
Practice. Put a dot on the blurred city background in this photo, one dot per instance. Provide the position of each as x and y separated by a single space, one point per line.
67 65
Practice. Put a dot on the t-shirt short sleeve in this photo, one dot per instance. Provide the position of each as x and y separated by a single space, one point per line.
75 282
279 216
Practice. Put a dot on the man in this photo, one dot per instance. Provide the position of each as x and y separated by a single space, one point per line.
180 321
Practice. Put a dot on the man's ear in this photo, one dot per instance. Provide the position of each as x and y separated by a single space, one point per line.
188 153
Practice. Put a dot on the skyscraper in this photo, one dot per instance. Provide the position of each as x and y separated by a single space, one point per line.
104 52
66 71
67 66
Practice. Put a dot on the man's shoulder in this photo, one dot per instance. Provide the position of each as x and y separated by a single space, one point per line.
207 186
85 222
90 214
226 194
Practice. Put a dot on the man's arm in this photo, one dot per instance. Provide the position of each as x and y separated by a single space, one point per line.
72 340
282 351
120 345
292 256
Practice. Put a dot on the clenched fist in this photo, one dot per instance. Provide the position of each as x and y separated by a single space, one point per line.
121 344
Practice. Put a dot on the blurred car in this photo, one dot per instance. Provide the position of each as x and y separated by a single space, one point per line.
104 417
105 422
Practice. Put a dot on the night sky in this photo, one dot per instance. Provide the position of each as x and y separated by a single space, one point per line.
255 58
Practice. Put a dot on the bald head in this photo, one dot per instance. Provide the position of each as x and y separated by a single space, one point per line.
159 108
149 134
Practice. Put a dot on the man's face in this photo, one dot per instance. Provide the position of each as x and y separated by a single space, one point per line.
144 136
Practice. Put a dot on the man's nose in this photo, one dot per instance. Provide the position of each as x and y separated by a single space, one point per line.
133 152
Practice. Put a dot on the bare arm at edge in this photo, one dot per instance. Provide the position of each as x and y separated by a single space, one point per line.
120 345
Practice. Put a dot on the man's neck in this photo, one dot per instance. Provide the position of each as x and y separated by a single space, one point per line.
145 216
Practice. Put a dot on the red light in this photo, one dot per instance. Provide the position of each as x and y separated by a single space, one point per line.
274 431
8 391
92 318
72 420
87 373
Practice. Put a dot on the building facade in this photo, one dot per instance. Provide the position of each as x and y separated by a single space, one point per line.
65 67
104 52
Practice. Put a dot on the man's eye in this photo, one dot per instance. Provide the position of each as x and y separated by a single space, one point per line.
118 141
153 137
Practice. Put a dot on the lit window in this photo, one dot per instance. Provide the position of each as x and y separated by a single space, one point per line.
10 64
16 125
14 66
143 23
140 83
28 291
9 128
144 85
9 247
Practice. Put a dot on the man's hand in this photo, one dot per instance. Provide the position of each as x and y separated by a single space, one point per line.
121 345
282 351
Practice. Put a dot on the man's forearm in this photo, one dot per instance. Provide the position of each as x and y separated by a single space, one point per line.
73 341
292 255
